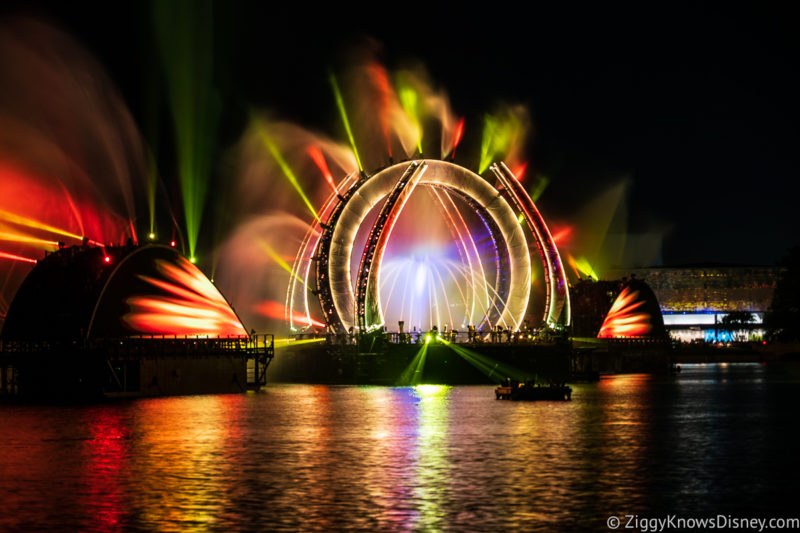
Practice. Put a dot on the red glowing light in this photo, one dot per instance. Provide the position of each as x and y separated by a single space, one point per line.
622 321
107 259
172 243
319 159
378 75
519 171
458 134
194 306
14 257
277 310
562 234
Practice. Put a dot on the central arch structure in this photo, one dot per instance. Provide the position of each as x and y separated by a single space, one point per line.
345 308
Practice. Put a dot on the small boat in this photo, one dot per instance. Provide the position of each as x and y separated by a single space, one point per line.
532 392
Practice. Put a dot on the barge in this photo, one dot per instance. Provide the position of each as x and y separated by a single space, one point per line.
94 322
532 392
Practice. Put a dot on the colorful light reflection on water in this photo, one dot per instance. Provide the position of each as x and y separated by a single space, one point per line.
317 458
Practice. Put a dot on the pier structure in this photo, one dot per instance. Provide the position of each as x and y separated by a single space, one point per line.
121 321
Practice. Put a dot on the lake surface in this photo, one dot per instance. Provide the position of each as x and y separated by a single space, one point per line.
714 439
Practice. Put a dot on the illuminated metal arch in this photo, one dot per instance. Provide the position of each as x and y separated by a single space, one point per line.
557 305
336 243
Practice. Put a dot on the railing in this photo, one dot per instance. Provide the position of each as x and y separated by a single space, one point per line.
257 351
148 345
450 336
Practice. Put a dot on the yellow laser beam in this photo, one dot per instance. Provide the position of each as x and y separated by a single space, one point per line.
284 166
31 223
281 263
27 239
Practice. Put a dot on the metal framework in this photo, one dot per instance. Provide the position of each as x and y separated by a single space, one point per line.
368 302
557 306
119 357
342 308
502 209
257 352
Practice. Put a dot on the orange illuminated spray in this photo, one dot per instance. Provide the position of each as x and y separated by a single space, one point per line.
562 234
277 310
571 263
385 92
625 319
27 239
191 305
35 224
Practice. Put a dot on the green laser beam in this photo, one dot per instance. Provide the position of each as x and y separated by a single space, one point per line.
412 375
287 171
409 99
281 263
541 185
340 104
152 182
499 132
491 368
184 35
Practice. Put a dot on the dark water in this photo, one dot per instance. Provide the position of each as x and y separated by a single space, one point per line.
714 439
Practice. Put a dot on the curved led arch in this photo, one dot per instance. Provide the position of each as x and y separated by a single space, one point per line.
334 250
557 295
328 246
368 302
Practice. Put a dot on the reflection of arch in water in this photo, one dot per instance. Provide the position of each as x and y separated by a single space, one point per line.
344 309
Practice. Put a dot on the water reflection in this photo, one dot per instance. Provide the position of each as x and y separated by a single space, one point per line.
106 467
182 469
712 439
624 438
432 466
389 482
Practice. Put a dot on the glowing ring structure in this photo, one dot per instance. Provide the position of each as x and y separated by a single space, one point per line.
557 305
334 249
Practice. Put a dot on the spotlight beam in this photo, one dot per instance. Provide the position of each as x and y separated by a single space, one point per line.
412 374
14 257
491 368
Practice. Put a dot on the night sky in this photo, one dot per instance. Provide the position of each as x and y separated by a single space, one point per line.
695 105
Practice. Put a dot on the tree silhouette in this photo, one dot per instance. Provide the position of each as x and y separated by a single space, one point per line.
783 318
738 322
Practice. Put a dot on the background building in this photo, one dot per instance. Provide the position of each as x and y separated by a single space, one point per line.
695 299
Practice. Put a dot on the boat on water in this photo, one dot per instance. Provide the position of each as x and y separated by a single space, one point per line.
514 390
